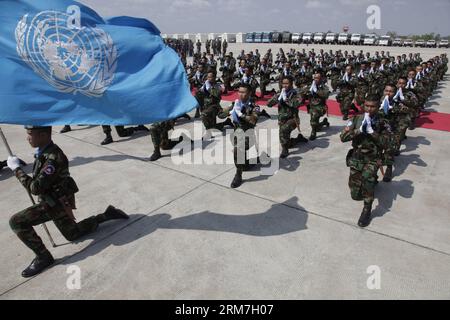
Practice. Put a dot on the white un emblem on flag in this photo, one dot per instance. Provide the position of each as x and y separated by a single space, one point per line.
68 56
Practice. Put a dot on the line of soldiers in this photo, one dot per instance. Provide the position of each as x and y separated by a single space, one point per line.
399 85
376 134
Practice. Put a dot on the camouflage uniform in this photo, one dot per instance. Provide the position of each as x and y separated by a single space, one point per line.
335 72
52 183
362 87
159 133
366 156
210 106
346 94
317 106
288 118
241 139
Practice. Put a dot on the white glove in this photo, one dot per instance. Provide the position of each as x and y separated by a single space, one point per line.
208 85
313 88
282 95
367 121
13 162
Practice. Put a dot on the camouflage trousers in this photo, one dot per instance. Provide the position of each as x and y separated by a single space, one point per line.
403 122
360 95
362 181
334 82
286 127
345 101
242 142
121 130
209 117
159 133
263 86
22 224
316 112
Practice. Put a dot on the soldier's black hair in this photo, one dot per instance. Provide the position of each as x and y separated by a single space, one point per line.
289 78
392 85
403 78
372 98
246 86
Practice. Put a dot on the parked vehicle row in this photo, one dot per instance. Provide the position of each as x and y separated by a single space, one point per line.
370 39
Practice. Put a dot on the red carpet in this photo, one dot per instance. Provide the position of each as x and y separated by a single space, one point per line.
428 120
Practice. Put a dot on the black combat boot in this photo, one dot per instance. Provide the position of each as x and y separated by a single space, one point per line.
264 114
284 152
345 117
66 129
365 218
237 181
325 123
388 174
313 135
301 139
39 264
126 132
107 140
156 154
112 213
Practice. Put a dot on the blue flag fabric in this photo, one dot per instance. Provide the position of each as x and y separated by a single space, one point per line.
61 63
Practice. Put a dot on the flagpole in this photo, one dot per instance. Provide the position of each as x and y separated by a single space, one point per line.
5 142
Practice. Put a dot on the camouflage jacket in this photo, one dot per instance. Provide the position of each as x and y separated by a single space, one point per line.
287 109
367 147
51 178
316 99
250 118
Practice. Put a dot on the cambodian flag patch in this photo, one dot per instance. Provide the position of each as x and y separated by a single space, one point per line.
49 170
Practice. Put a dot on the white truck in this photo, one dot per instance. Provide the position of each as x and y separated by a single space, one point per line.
319 37
370 39
307 37
385 41
344 38
356 39
296 37
331 38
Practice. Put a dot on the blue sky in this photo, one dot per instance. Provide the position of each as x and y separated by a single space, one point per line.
191 16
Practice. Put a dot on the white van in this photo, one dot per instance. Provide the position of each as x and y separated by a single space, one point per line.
331 38
344 38
307 37
296 37
356 39
319 37
370 39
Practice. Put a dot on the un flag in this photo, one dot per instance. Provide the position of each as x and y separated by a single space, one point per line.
61 63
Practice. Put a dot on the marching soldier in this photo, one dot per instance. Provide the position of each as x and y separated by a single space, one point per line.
245 117
209 97
346 93
159 133
228 70
368 133
362 86
317 94
52 183
288 118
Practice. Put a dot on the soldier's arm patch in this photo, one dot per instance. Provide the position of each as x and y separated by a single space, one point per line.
49 169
